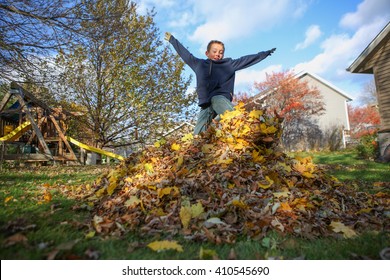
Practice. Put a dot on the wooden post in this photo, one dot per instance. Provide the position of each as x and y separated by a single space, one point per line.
5 100
62 136
34 126
82 156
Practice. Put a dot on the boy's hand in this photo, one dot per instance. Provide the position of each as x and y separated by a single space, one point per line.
272 51
167 36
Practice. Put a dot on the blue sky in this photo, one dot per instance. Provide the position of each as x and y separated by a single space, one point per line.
319 36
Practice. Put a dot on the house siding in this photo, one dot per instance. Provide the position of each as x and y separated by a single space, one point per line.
326 131
382 81
335 106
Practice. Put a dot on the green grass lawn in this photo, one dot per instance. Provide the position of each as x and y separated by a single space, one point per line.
346 166
43 215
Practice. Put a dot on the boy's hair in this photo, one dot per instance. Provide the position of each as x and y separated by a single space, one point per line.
215 42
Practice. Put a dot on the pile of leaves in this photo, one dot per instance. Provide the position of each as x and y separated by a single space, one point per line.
231 181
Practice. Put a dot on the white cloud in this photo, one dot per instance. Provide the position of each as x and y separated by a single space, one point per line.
312 34
231 19
184 20
247 77
340 50
367 12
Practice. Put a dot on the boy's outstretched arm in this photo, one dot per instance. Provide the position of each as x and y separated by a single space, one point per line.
249 60
188 58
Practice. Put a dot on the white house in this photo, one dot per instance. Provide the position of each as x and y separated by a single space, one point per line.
336 111
328 130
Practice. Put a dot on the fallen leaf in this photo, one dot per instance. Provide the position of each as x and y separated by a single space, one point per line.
165 245
212 222
15 239
149 168
175 147
47 196
8 198
185 216
207 254
207 148
345 230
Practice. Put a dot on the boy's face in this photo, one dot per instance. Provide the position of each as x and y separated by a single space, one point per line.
216 52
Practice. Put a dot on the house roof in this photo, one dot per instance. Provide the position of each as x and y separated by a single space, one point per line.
258 97
328 84
380 40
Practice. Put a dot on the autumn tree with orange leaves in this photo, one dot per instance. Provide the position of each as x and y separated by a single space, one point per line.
285 95
363 120
290 97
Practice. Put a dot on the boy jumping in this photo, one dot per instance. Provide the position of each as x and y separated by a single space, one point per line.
214 78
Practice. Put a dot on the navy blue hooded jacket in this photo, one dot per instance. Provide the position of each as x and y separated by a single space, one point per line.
215 77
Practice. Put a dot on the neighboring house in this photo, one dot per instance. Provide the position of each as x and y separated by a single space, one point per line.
328 130
375 59
336 111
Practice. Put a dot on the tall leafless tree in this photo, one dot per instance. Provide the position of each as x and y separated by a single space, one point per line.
32 31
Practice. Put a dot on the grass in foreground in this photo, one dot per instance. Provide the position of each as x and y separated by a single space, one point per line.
370 176
38 221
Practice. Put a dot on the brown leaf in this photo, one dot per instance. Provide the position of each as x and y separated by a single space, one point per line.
15 239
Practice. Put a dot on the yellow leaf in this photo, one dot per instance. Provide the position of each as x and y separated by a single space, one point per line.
159 212
221 161
284 206
240 204
167 191
285 167
207 148
180 161
244 130
240 106
267 129
240 144
289 183
207 254
111 187
196 210
165 245
265 184
113 180
305 166
271 129
228 115
132 201
364 210
175 147
8 198
160 142
149 168
281 194
185 216
255 114
187 137
340 227
47 196
90 234
257 157
308 175
100 192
